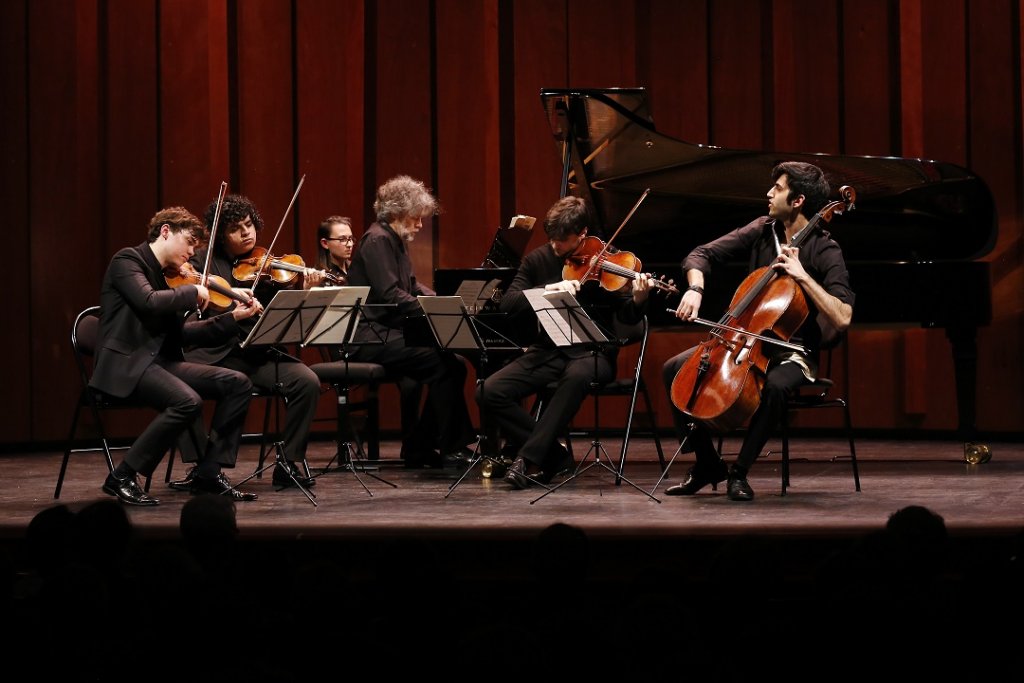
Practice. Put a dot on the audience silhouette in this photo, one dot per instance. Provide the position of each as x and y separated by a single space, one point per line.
896 597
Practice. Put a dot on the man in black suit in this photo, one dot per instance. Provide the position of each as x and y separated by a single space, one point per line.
139 355
382 262
539 455
269 368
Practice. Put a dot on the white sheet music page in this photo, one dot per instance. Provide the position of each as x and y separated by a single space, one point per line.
469 291
550 320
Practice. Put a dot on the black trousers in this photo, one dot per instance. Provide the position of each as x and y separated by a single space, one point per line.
444 422
177 390
501 396
780 381
292 379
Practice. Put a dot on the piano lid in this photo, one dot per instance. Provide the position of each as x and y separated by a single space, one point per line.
907 209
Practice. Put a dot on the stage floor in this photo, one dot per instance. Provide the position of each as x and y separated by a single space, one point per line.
821 500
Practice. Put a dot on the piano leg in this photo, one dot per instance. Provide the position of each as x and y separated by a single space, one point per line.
965 368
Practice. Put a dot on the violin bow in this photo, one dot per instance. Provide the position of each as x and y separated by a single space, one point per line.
204 276
597 259
270 250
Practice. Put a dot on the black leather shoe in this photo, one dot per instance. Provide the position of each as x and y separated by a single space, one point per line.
220 486
462 456
283 480
559 463
183 484
516 474
739 489
128 491
698 477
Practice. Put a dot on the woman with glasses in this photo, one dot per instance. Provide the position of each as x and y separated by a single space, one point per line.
334 246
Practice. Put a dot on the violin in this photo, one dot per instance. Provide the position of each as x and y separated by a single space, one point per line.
281 270
720 384
613 269
222 296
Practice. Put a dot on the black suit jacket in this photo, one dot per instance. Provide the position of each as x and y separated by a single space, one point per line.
142 319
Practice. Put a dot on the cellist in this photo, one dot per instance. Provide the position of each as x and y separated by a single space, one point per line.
799 190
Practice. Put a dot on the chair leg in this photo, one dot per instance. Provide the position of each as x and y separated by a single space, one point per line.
785 451
170 464
654 427
373 423
853 450
67 451
263 438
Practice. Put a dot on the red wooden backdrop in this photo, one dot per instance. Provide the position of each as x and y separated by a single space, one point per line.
114 108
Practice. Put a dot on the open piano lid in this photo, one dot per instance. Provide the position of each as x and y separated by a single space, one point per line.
907 210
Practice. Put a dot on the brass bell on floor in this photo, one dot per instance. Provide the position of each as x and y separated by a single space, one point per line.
976 453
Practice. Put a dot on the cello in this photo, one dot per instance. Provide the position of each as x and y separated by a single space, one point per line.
720 384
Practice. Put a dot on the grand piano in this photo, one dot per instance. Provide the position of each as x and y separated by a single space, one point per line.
912 243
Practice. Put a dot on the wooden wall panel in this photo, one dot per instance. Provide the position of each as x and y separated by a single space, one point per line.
540 61
468 145
15 419
602 44
870 78
805 78
673 66
404 107
738 75
994 127
330 119
264 121
64 191
194 140
944 81
131 170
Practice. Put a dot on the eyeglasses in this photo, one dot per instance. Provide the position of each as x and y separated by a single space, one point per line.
347 240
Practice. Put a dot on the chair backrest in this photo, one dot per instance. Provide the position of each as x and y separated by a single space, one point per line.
84 333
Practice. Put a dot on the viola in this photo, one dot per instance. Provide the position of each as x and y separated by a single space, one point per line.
222 296
720 384
281 270
613 269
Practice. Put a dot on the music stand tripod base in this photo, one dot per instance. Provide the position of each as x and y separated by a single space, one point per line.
279 459
348 464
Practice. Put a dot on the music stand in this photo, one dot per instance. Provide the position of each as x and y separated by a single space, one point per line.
454 329
567 324
283 321
682 445
336 326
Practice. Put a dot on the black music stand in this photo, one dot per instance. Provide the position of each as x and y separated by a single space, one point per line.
284 321
455 329
336 326
690 426
567 324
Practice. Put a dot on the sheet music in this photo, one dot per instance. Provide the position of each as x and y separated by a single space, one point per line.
562 318
337 324
449 322
278 322
477 293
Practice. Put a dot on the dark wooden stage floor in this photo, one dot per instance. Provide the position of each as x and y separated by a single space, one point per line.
662 579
